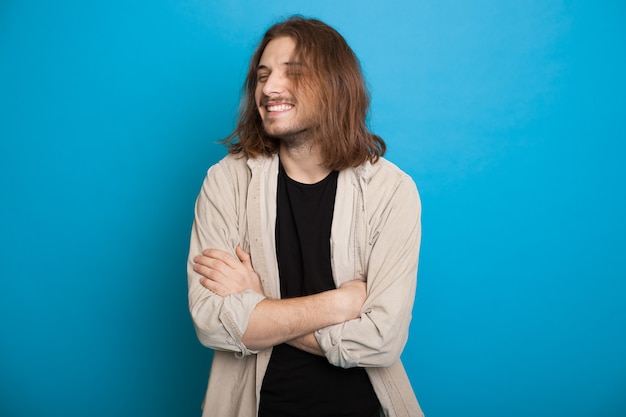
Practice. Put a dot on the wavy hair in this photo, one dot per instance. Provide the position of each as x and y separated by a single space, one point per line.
335 80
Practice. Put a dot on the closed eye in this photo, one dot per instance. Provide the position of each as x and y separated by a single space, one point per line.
262 73
295 69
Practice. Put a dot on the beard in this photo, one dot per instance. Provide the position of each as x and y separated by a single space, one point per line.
295 135
291 138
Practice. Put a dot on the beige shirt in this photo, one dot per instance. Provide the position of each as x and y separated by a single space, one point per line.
375 237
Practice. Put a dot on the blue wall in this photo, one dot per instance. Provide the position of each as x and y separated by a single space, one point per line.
510 116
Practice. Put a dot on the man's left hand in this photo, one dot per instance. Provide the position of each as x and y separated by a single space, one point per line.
224 274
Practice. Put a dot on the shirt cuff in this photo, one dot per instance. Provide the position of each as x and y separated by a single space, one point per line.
329 339
235 315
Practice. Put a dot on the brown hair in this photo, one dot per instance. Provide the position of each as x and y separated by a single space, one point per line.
334 77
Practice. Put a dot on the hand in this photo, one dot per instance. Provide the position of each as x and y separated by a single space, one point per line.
355 293
224 274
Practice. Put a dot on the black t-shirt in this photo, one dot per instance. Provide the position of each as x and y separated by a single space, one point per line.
299 384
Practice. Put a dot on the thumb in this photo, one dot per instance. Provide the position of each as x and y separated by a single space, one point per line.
244 257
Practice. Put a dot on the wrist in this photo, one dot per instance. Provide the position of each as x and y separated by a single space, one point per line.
345 305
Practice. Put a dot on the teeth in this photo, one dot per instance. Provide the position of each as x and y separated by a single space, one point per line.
279 107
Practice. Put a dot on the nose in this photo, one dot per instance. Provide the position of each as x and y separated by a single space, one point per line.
275 84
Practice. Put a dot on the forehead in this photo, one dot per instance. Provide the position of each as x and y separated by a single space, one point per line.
277 52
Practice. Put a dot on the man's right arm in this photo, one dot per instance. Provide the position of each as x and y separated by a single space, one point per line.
277 321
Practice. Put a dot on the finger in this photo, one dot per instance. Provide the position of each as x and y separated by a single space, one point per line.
211 263
244 257
213 286
223 256
219 260
203 260
214 274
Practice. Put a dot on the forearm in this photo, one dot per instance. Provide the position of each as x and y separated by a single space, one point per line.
278 321
307 343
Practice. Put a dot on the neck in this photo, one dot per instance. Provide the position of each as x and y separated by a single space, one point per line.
303 163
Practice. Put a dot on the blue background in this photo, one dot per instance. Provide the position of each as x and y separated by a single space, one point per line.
510 116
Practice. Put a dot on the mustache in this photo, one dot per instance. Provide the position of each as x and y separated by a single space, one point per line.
277 100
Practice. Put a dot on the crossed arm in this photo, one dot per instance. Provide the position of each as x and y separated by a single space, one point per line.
272 322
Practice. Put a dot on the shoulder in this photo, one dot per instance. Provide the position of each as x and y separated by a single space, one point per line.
231 169
230 163
384 177
383 169
238 164
389 193
236 170
226 178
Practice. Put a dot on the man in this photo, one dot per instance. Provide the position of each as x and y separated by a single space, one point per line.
303 258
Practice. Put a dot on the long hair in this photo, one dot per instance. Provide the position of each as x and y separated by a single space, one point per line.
335 80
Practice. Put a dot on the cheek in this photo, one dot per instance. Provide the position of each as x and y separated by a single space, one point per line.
257 96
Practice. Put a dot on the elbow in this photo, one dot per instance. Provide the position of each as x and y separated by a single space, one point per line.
205 339
217 329
383 356
205 334
388 358
206 324
386 352
216 338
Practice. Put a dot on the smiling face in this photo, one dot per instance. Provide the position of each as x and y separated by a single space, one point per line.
283 110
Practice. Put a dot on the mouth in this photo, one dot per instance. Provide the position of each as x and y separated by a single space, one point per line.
277 105
271 108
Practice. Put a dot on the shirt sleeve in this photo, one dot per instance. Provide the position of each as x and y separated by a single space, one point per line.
220 322
378 336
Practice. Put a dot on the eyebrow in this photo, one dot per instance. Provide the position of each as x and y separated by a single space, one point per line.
288 64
